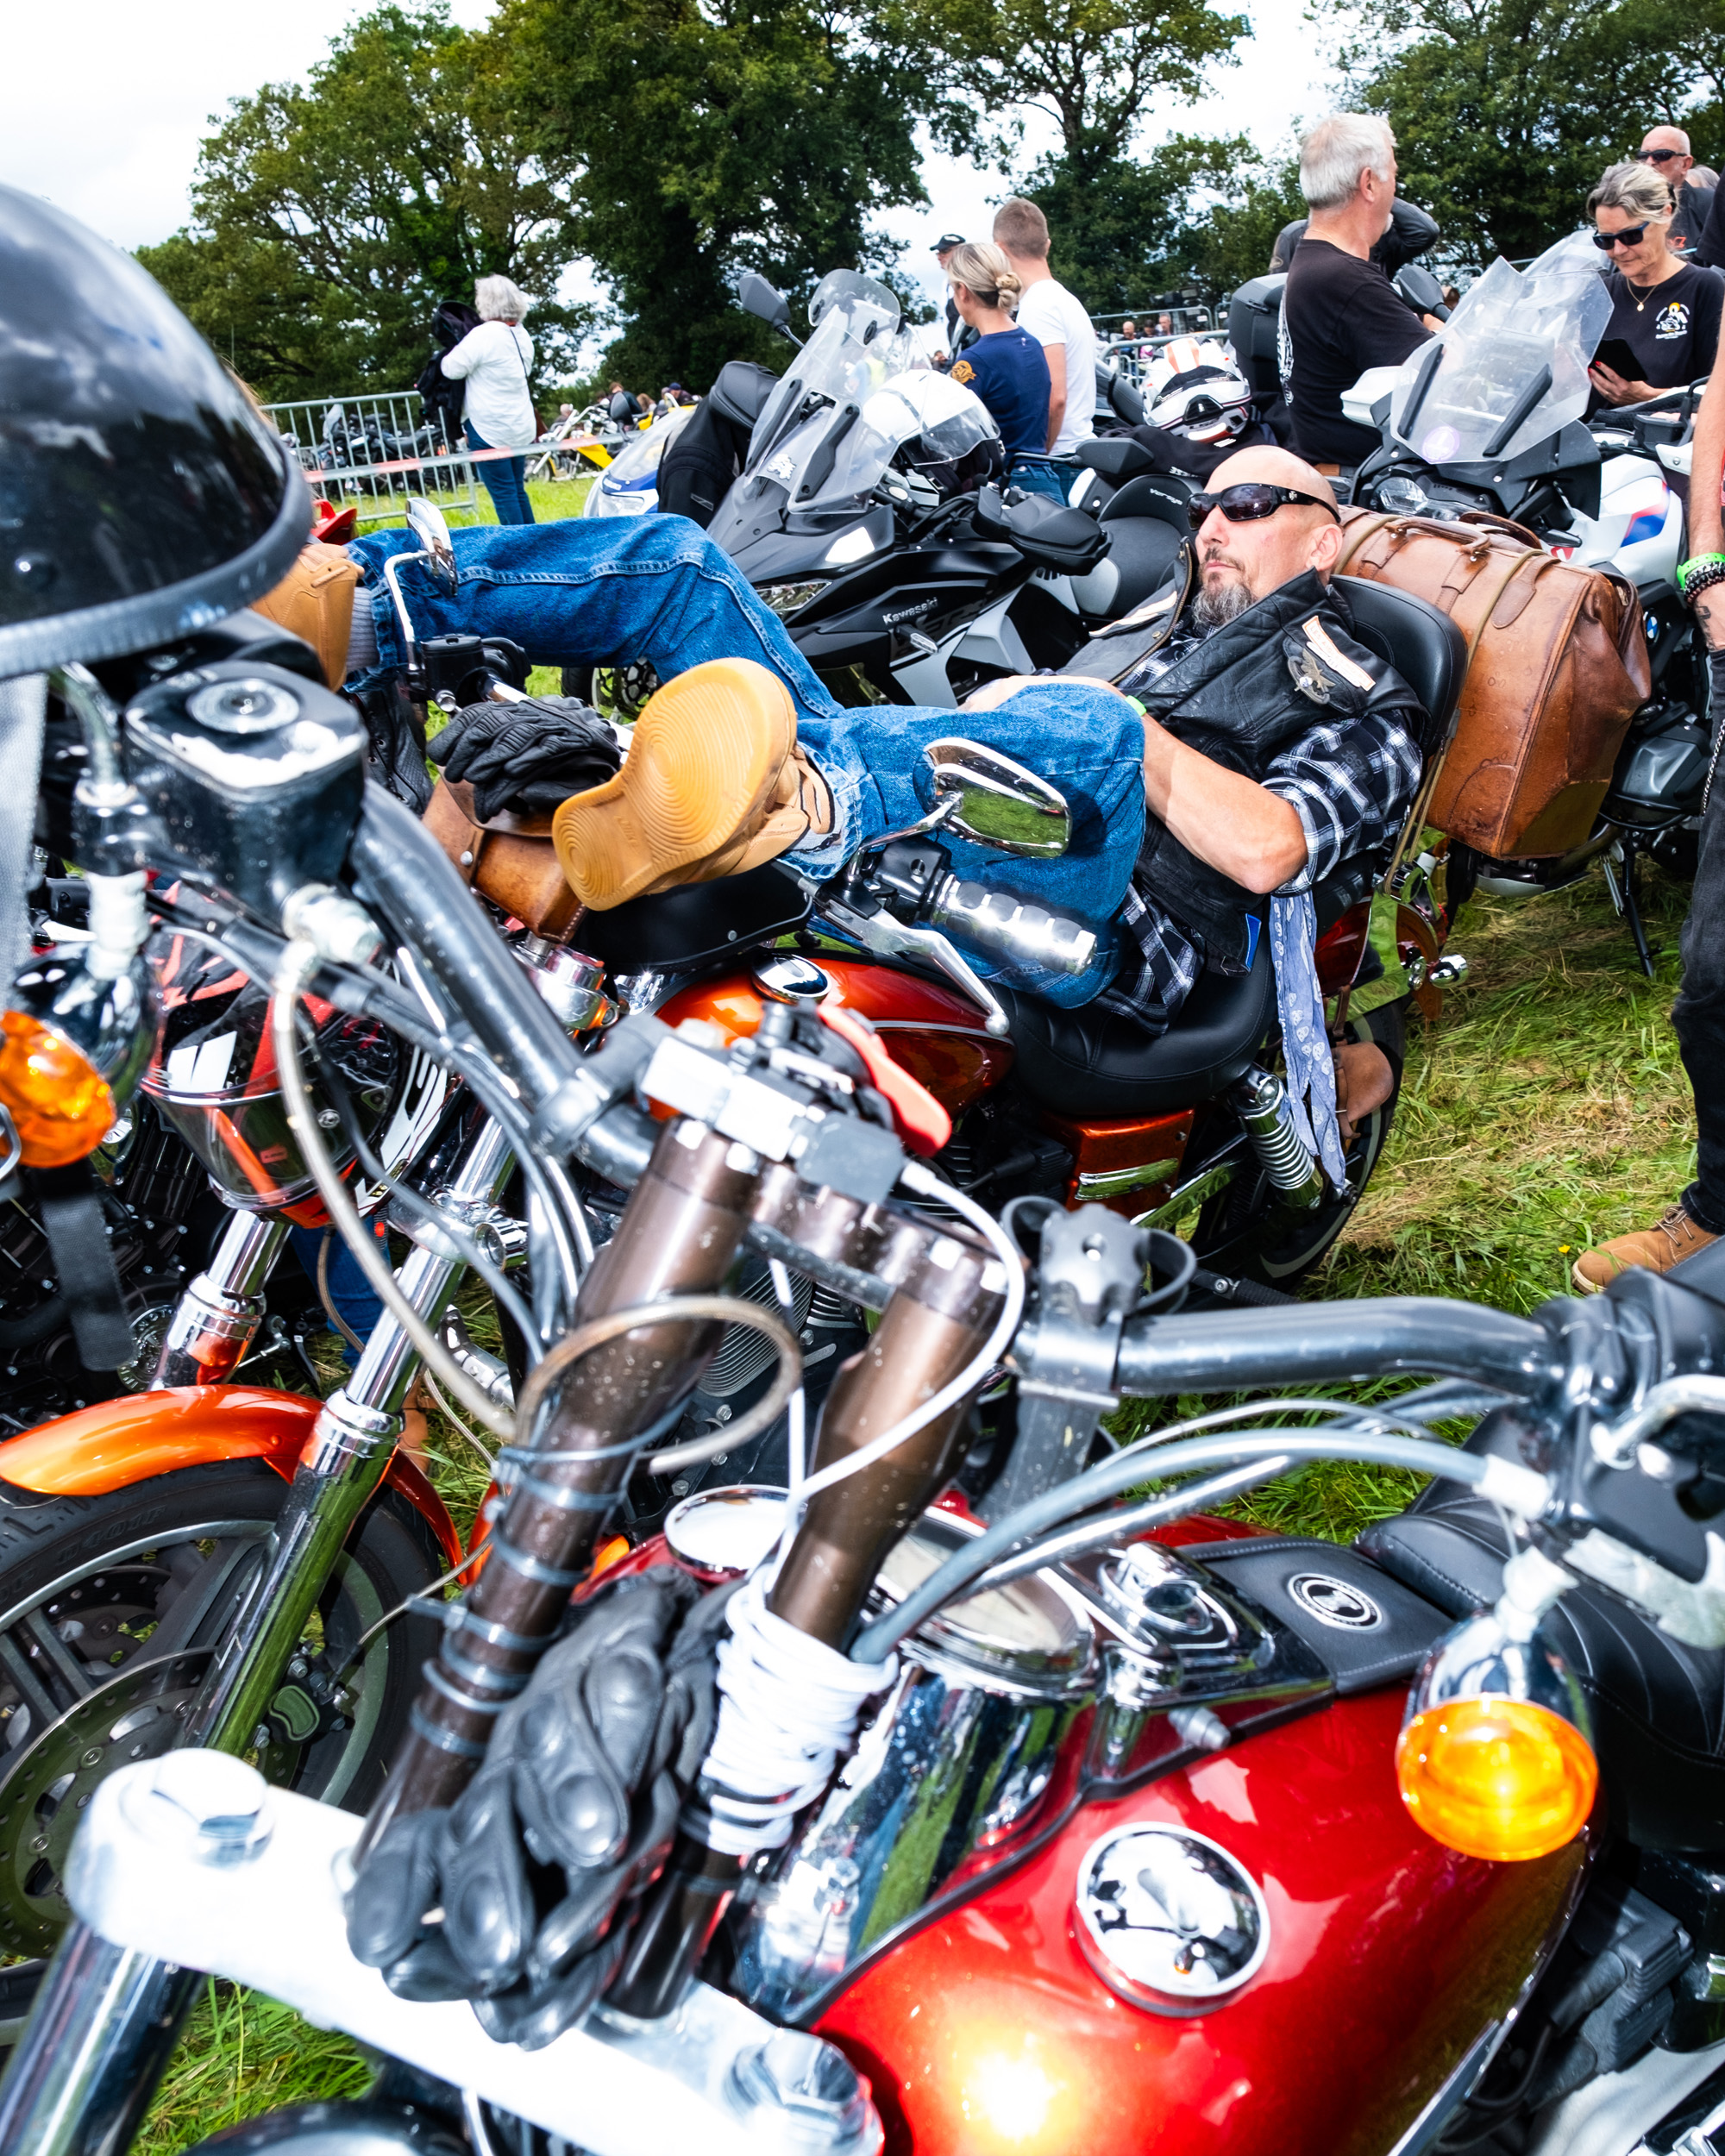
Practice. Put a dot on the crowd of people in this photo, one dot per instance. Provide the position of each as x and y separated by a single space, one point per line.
1024 345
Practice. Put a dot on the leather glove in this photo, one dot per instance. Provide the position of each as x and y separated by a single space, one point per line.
567 1821
529 757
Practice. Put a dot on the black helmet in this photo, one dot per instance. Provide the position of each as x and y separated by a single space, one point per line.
140 497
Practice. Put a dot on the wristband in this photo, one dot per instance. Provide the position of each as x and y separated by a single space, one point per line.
1699 574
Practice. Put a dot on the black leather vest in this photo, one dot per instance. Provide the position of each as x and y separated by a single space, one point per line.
1244 695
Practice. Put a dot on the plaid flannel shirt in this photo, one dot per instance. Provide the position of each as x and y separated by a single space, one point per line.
1350 784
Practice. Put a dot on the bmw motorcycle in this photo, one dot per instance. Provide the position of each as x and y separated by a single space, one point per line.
1069 1817
1492 420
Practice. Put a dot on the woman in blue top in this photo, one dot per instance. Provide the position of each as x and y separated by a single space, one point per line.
1006 366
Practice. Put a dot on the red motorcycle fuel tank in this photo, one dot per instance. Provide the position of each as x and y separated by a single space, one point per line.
929 1030
987 2033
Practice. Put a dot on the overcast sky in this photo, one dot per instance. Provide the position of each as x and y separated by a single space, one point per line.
102 103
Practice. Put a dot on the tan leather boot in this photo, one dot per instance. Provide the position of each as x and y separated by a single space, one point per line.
314 601
1365 1079
714 783
1657 1248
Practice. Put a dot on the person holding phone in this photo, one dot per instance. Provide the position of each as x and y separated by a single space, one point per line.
1664 330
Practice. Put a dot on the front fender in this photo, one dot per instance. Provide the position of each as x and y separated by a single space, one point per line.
119 1442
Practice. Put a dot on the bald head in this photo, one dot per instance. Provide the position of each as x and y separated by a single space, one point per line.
1242 562
1276 467
1675 160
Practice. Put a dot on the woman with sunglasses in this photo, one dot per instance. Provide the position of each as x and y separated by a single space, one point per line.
1665 310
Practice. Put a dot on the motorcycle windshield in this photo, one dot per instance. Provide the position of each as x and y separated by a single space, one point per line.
1508 369
804 434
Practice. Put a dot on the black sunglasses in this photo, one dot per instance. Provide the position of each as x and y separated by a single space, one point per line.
1656 157
1631 235
1249 501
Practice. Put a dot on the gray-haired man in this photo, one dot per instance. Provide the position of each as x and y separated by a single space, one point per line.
1341 315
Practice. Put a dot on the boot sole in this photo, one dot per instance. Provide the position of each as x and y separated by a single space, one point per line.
702 764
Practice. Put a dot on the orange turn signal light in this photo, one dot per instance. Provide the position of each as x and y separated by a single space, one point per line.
1496 1777
60 1106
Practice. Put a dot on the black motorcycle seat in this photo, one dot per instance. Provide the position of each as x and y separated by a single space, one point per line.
1094 1063
1143 553
696 925
1658 1707
1161 496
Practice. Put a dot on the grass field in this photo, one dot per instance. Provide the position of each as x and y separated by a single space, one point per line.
1547 1110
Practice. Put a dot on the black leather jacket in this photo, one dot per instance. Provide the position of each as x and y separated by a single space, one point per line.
1242 695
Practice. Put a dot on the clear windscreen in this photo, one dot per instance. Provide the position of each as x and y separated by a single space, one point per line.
1511 364
640 456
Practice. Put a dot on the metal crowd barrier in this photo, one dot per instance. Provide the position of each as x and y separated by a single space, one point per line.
375 449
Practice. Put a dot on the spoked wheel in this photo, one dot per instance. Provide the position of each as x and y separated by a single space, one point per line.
1243 1232
111 1609
617 693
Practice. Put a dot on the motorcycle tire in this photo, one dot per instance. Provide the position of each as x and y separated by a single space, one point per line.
1243 1232
110 1608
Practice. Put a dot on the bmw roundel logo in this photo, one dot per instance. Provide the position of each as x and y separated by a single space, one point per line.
1334 1603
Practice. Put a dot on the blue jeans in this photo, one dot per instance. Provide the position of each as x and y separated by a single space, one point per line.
591 591
506 481
1039 475
350 1292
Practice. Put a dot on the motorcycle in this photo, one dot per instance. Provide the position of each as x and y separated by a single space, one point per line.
1490 422
863 517
1079 1817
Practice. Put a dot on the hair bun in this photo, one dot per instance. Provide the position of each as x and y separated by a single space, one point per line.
1009 285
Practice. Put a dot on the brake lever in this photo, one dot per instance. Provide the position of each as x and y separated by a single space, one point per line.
889 938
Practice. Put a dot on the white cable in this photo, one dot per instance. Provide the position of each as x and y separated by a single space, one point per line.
297 962
789 1707
796 1410
918 1179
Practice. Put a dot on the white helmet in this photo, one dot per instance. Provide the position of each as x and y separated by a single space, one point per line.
1193 388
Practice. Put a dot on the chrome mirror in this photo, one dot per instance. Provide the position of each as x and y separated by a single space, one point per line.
987 798
425 520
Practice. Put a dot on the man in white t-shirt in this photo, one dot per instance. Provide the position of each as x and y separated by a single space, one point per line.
1048 312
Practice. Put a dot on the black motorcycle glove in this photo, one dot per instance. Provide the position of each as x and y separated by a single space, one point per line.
530 756
568 1819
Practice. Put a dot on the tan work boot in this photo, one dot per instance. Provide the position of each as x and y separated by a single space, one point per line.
1365 1078
714 783
1657 1249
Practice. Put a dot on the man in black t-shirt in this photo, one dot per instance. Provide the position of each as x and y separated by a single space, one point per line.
1668 151
1341 313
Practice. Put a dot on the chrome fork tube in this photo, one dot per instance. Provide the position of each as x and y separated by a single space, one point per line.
106 2020
219 1314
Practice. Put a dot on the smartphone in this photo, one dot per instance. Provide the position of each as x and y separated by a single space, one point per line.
1616 354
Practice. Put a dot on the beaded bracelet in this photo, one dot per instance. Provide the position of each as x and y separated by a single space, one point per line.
1699 574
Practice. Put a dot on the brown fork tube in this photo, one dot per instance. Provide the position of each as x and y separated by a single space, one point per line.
932 1327
935 1324
679 1235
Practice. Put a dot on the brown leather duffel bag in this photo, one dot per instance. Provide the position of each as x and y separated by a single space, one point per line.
1557 664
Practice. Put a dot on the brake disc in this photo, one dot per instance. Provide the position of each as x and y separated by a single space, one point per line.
51 1778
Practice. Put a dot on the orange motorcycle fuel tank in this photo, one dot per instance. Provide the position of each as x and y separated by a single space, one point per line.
929 1030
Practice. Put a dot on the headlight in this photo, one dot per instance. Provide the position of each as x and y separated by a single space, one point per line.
1403 496
786 599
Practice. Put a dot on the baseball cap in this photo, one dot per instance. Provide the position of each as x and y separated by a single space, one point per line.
945 241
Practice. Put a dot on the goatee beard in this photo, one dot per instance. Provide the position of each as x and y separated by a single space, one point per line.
1214 607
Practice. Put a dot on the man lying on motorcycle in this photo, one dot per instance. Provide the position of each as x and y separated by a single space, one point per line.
1220 756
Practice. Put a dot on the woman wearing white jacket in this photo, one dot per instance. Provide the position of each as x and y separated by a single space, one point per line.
494 362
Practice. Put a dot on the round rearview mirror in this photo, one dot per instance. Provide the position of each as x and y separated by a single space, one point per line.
995 802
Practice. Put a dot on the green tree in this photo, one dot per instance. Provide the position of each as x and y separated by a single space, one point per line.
712 138
330 220
1507 112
